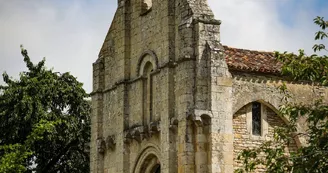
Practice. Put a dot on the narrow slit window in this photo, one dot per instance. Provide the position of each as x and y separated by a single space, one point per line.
256 119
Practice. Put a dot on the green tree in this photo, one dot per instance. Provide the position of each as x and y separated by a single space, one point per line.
313 157
44 122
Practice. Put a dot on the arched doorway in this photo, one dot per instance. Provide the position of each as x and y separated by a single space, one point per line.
156 169
151 164
148 161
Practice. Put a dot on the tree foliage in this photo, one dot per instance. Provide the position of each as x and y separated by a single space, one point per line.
44 122
313 157
311 68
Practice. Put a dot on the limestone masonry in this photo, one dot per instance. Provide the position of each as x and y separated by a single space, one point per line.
168 97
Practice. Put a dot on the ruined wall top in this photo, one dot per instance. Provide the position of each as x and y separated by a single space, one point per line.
151 25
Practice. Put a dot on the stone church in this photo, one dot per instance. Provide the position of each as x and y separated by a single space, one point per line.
169 97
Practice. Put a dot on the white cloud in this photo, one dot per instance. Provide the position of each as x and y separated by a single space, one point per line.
70 33
257 24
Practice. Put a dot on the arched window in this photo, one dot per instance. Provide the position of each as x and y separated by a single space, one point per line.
253 124
256 119
147 65
147 92
255 115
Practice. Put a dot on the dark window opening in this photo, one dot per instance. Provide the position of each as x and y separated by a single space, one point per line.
256 118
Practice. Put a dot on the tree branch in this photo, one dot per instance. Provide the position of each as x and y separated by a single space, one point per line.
55 159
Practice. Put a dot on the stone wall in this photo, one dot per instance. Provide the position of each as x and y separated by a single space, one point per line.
243 139
163 92
250 87
137 111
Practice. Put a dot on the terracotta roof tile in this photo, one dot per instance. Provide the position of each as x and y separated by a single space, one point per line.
252 61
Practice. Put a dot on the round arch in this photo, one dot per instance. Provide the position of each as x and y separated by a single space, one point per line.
148 161
146 58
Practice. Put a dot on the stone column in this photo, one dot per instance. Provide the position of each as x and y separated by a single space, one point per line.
201 147
186 151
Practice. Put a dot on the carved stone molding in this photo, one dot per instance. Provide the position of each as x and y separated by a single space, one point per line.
174 124
201 117
148 158
127 138
110 142
101 145
155 127
139 133
147 56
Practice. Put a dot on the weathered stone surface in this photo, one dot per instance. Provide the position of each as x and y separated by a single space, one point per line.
243 139
165 98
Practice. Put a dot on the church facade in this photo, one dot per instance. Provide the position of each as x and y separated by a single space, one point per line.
169 97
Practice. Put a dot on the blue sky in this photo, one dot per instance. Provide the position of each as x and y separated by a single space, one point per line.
290 9
69 33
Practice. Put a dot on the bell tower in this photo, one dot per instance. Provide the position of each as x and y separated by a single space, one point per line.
157 89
